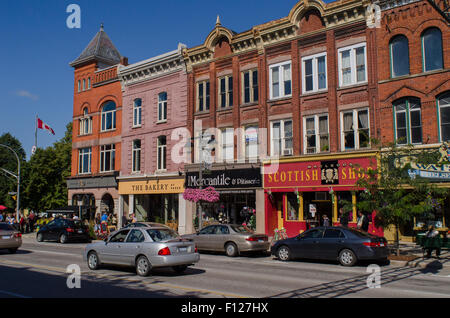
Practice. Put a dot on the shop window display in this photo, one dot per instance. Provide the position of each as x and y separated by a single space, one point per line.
292 207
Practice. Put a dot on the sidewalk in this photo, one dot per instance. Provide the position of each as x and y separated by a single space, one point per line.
411 249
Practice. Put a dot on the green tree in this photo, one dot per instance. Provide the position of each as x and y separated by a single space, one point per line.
45 176
8 161
396 196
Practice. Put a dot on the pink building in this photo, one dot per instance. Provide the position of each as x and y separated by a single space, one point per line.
154 105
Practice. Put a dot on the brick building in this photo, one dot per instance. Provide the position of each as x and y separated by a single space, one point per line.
413 53
151 181
97 122
302 89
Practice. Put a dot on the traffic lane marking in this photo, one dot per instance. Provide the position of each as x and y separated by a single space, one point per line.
89 275
13 294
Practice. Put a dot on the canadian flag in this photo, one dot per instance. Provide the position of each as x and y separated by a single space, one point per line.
42 125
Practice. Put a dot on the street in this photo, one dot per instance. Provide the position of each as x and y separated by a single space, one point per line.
39 270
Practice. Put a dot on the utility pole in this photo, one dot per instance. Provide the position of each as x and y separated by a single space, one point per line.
18 179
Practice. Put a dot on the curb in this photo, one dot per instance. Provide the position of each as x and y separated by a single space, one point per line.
435 264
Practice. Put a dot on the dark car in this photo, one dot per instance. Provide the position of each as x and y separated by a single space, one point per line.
63 231
332 243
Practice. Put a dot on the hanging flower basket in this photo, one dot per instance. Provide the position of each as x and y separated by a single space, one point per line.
195 195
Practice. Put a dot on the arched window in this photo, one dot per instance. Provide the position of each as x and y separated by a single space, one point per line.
432 50
137 112
408 121
443 103
85 123
109 116
399 56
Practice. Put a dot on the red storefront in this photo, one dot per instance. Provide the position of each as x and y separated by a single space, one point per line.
299 191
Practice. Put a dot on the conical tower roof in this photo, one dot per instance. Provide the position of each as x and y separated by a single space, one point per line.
99 49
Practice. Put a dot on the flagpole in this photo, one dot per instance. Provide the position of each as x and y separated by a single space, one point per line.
35 133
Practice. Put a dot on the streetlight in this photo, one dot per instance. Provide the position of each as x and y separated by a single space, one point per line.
17 177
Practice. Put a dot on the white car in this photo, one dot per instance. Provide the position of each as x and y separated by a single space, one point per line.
144 248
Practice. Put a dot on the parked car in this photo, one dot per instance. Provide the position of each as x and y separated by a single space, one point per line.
144 248
229 238
145 224
63 231
332 243
10 238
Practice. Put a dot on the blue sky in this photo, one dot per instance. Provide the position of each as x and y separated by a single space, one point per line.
37 46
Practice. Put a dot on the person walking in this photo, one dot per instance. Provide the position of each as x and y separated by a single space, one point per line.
343 217
363 222
326 220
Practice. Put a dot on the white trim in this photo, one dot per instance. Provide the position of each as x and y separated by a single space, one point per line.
355 128
281 79
315 72
353 70
316 132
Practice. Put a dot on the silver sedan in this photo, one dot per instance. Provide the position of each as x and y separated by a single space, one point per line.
231 238
10 238
143 248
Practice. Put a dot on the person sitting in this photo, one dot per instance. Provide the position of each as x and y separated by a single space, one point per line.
432 236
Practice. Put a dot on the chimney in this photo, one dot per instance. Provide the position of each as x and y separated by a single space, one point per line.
124 61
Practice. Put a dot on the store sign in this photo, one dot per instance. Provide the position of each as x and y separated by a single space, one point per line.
438 172
152 186
319 173
224 179
91 183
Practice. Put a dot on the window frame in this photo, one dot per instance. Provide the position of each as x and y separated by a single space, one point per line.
228 93
282 81
315 73
282 136
252 86
105 114
225 145
205 97
137 113
87 151
356 130
85 123
317 135
439 107
408 120
136 159
353 65
391 56
161 154
423 50
103 157
162 107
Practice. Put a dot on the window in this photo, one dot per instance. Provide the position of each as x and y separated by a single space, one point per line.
314 69
137 112
444 116
109 116
316 137
399 56
281 132
227 144
292 207
204 145
352 65
84 160
432 50
84 85
332 233
355 129
250 86
89 83
119 237
313 234
85 123
136 156
280 80
136 236
79 86
225 87
251 141
162 106
161 153
107 158
408 123
202 96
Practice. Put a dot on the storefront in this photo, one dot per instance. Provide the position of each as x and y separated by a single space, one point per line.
153 200
299 192
238 188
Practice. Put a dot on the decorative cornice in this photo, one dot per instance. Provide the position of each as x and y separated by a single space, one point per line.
259 37
155 67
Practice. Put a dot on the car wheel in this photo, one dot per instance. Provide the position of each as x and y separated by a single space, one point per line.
40 237
180 268
63 238
231 249
12 250
347 258
93 261
143 266
284 253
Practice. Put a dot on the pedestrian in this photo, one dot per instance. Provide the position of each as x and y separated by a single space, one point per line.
124 220
22 224
343 217
1 217
133 218
326 220
433 243
363 222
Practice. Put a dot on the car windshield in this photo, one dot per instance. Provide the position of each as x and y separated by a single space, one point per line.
241 229
159 235
77 224
6 227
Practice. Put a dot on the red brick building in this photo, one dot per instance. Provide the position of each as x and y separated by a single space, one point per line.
310 80
413 53
97 122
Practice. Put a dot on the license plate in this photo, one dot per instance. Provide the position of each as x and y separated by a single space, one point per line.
260 241
382 244
80 231
182 249
6 237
